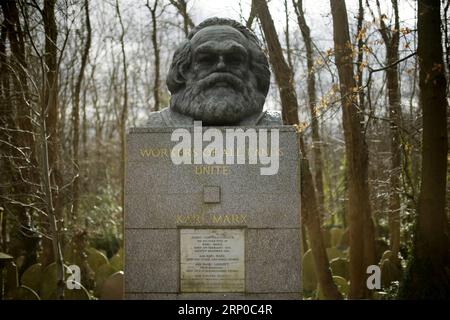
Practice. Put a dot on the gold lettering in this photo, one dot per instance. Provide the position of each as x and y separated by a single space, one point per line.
189 219
145 153
180 219
212 170
221 219
153 152
216 219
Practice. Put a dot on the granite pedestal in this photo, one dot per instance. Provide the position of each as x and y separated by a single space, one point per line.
210 231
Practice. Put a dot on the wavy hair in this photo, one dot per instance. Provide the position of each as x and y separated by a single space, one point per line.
182 57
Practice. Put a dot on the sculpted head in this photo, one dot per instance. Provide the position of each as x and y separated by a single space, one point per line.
219 75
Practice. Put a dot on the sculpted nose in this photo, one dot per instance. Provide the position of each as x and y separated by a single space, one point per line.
221 63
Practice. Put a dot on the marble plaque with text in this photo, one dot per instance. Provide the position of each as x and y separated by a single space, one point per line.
212 260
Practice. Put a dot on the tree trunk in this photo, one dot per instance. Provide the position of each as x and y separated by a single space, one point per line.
156 55
76 115
309 208
16 94
394 95
181 6
124 111
6 122
287 38
356 153
310 215
283 75
312 100
391 41
428 274
360 38
49 162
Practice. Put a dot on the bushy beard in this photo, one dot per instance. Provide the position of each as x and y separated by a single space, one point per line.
218 99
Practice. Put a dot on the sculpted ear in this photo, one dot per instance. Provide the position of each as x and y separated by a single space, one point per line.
181 61
260 67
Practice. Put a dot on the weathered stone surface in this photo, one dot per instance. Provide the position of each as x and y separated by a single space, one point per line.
162 199
151 260
273 260
262 210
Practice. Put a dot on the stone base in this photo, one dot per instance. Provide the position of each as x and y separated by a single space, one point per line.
161 199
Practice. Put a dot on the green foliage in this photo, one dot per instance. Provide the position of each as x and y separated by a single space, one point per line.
103 218
391 292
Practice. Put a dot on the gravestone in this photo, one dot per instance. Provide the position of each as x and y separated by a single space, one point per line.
196 231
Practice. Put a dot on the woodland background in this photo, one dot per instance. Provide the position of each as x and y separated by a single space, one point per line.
363 81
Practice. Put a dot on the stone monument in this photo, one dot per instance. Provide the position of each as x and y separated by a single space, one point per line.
212 182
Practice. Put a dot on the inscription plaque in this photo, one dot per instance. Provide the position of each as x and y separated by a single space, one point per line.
212 260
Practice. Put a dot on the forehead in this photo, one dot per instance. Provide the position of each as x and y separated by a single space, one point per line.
218 34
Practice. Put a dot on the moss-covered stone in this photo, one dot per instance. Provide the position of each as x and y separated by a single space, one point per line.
47 289
117 262
95 258
113 287
101 275
31 278
389 272
334 253
340 267
24 293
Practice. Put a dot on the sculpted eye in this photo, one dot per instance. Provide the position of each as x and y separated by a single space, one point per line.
234 59
206 59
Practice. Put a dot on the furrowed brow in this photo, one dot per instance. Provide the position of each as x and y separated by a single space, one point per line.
233 48
205 49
